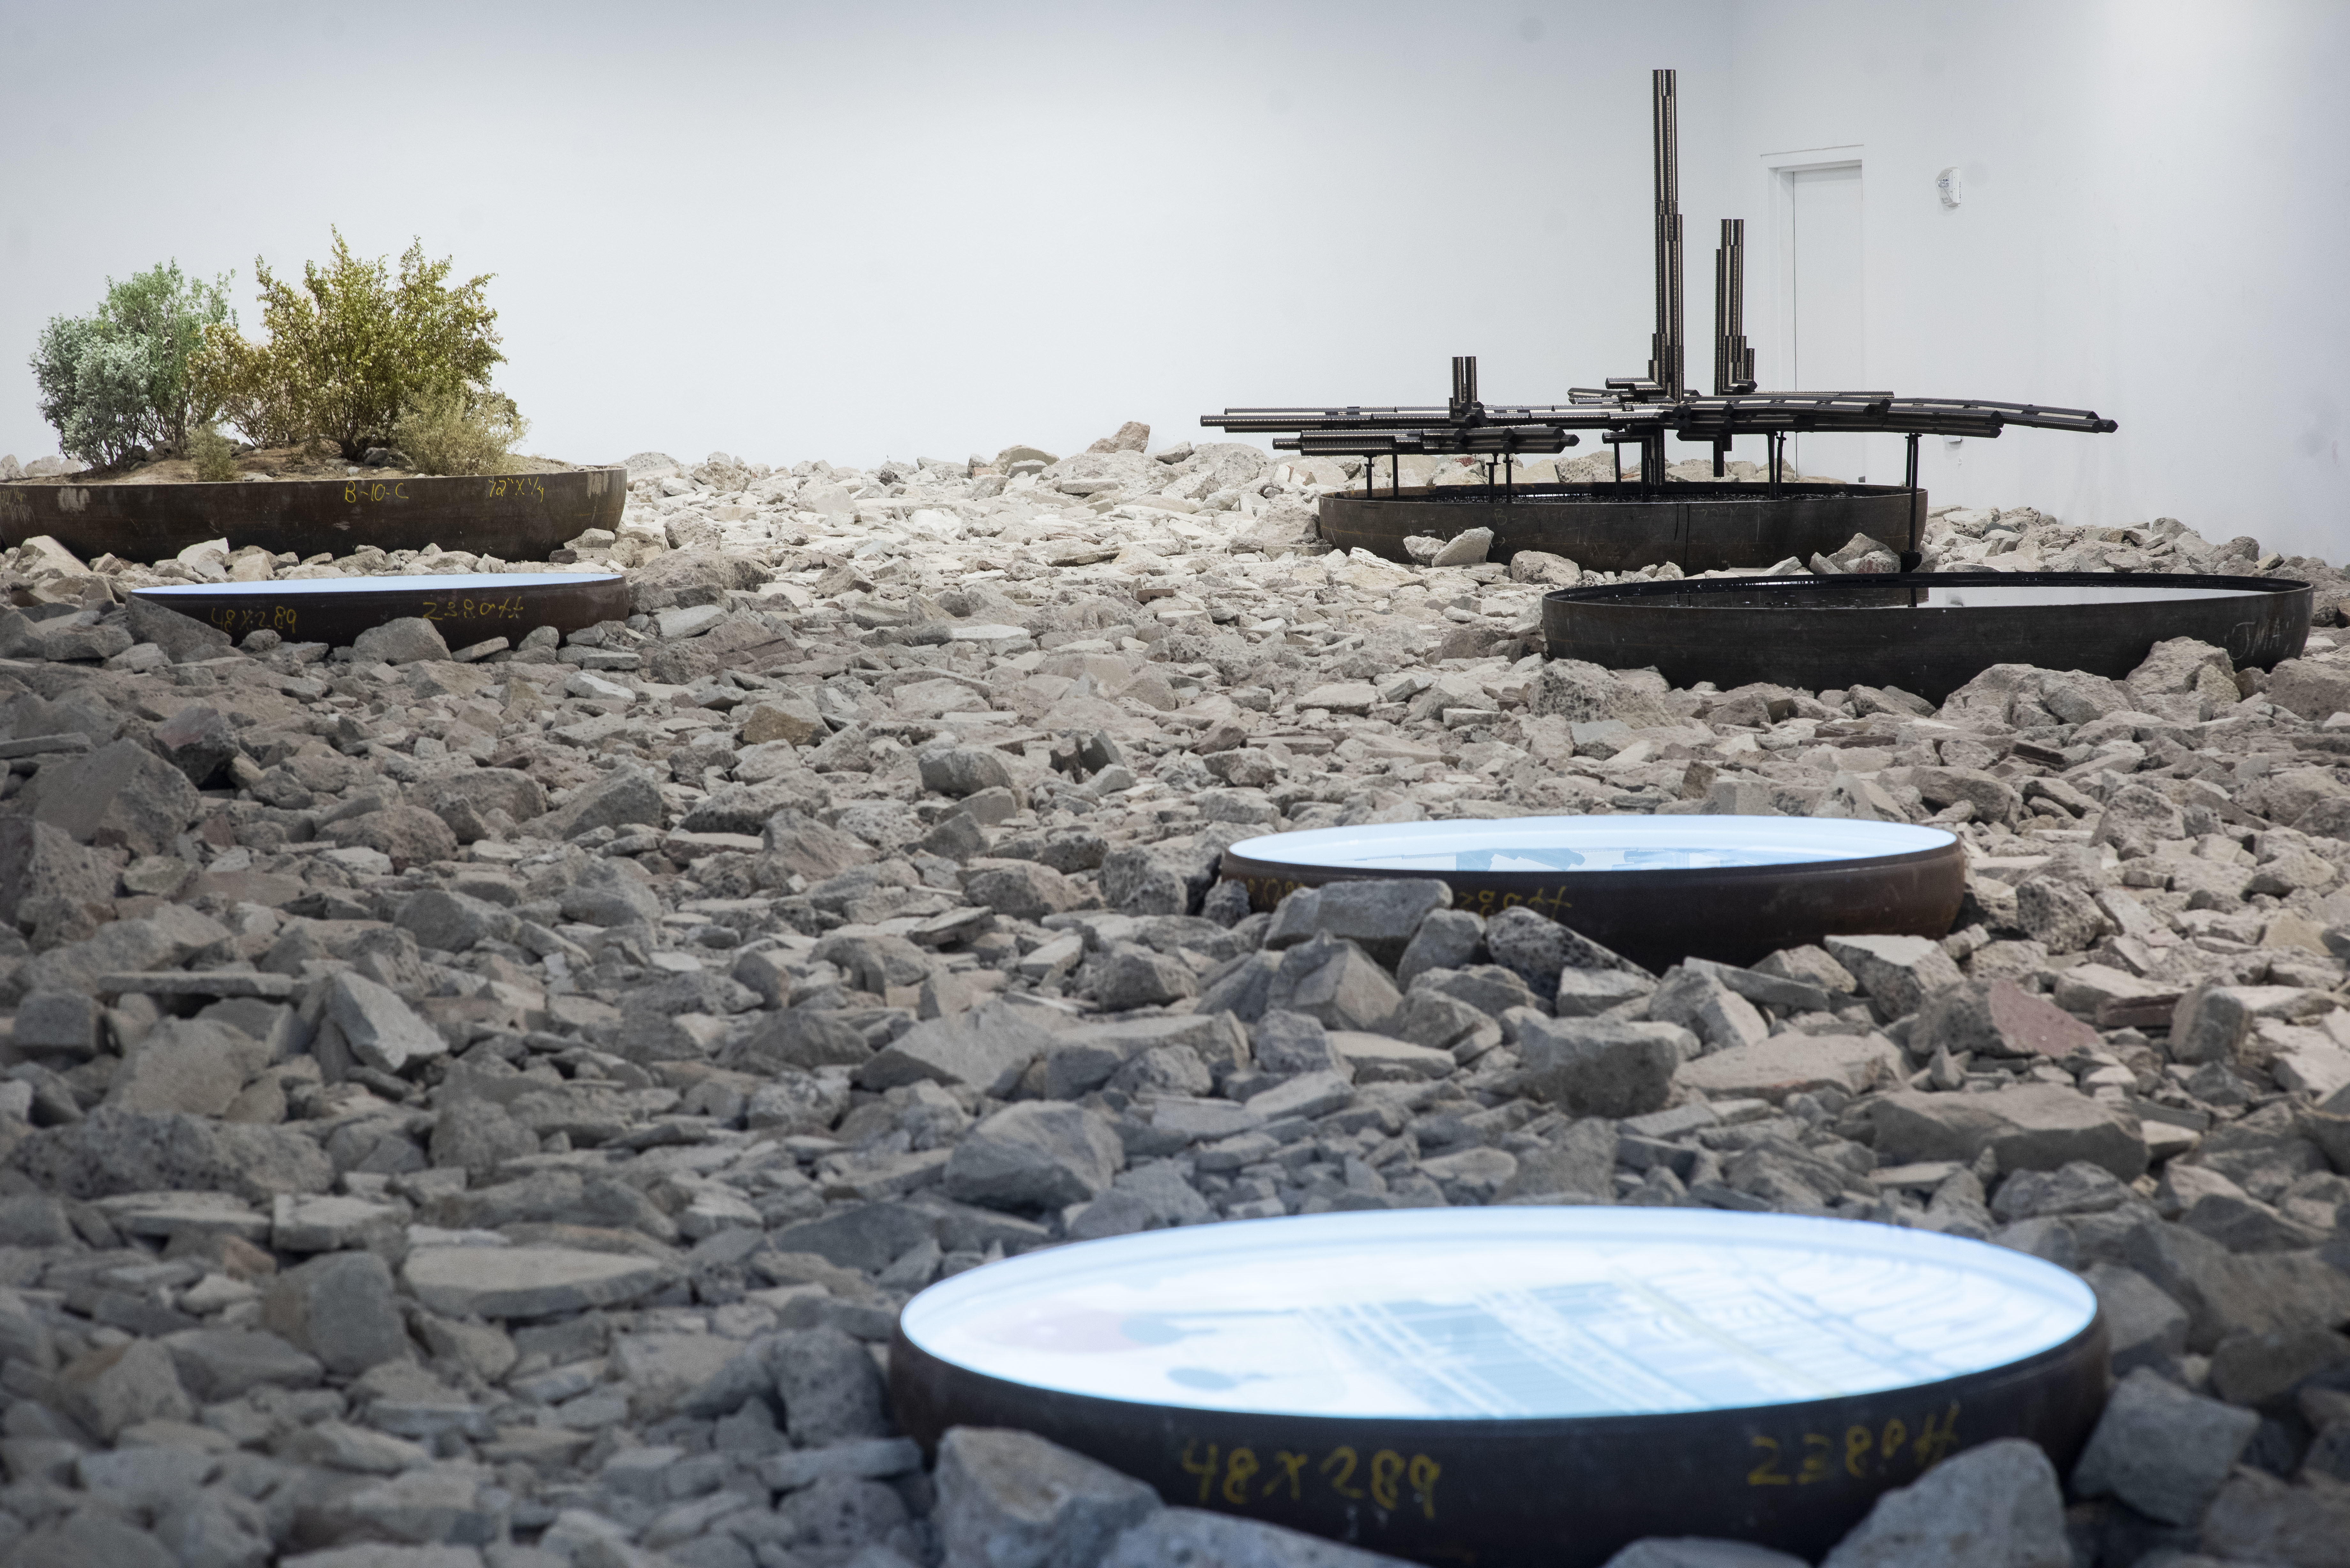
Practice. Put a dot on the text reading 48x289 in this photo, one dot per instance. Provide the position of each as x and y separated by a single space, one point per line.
1241 1477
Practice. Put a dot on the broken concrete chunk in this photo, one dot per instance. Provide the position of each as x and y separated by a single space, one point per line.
119 796
527 1281
379 1026
1335 981
340 1308
1603 1067
1381 916
1035 1156
1999 1503
1787 1064
2027 1127
406 641
1009 1497
1896 973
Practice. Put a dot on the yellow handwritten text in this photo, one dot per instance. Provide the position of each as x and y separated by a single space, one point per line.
509 609
1862 1453
1242 1478
236 618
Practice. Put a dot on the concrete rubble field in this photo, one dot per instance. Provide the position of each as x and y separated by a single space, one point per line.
474 1106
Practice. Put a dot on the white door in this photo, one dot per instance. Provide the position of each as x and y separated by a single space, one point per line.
1824 308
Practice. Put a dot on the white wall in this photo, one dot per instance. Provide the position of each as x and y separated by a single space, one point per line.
2153 227
811 230
822 230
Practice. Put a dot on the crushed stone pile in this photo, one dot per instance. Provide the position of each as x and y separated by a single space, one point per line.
486 1114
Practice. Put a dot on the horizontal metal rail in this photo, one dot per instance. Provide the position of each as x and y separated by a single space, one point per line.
1494 440
1643 410
1383 430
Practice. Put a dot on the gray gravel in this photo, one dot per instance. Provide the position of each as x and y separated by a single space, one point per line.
486 1107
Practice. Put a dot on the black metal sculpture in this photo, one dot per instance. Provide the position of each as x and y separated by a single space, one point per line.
1642 412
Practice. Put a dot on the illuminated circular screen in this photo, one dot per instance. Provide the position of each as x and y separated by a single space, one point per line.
424 582
1627 843
1504 1313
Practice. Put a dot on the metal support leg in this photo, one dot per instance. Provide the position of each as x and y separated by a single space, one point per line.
1778 456
1395 476
1917 526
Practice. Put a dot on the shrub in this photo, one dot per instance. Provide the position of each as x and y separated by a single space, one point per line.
216 459
352 348
120 380
459 430
249 384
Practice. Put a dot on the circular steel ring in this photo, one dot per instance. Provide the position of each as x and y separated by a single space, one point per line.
1817 633
1699 526
1563 1491
1732 914
466 608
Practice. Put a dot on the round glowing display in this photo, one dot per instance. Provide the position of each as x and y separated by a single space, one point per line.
2008 596
453 584
1586 844
1506 1314
1530 1383
1925 633
1657 890
468 607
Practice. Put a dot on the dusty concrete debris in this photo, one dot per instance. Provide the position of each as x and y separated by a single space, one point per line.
484 1113
2163 1451
1997 1504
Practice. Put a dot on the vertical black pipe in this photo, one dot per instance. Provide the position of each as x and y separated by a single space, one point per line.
1733 361
1665 354
1917 523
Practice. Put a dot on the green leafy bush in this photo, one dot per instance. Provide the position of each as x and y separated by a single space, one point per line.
216 459
120 380
249 385
459 430
352 349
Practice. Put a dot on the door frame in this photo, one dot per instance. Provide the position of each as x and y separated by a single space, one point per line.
1778 170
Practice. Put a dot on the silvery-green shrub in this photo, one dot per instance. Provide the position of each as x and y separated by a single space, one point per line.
117 381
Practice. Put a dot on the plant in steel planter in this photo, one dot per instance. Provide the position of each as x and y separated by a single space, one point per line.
352 350
214 457
117 384
460 430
